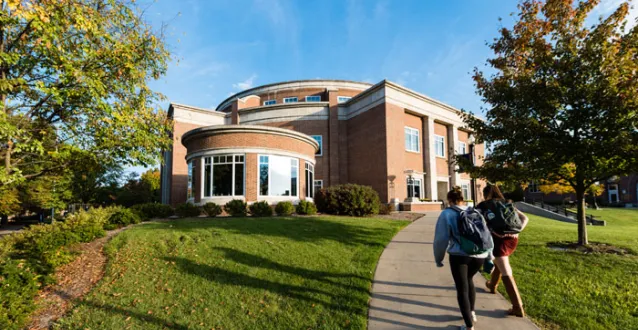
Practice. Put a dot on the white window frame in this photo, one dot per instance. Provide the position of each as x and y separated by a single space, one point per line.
343 99
439 139
270 102
420 180
310 191
319 185
190 183
463 150
270 176
291 99
320 144
212 171
412 131
465 189
534 185
313 96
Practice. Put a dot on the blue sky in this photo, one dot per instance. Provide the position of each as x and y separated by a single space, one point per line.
223 46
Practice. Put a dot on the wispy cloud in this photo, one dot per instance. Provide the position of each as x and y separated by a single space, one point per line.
246 84
607 7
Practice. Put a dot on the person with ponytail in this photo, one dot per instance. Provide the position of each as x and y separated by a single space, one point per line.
447 238
505 242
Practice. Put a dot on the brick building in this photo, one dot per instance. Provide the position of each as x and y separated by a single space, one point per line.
619 190
283 141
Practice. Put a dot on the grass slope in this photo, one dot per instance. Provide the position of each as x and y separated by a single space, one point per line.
570 290
243 273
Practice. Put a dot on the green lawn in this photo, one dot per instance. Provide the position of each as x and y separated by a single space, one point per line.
571 290
242 273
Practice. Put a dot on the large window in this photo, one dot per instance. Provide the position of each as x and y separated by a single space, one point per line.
462 149
414 187
310 177
313 98
189 188
343 99
290 100
224 175
278 176
411 139
439 146
270 102
465 189
319 140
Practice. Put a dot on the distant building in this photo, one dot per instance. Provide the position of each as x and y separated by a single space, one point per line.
284 141
622 190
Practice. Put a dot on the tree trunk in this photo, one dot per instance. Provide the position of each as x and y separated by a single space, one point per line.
582 222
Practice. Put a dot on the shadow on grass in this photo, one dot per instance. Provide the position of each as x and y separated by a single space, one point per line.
125 312
305 229
320 276
221 276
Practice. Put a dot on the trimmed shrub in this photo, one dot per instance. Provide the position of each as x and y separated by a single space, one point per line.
188 210
386 208
260 209
149 211
348 199
284 208
236 208
306 208
211 209
124 217
29 258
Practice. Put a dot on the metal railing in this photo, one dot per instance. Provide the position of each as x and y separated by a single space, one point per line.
562 210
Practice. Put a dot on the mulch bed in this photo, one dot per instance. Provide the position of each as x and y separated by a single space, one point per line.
73 281
406 216
591 248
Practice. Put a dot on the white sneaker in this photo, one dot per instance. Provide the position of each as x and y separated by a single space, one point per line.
474 319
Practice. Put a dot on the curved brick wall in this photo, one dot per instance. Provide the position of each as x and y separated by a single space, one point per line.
244 136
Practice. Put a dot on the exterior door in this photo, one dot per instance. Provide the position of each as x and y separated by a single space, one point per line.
612 192
442 189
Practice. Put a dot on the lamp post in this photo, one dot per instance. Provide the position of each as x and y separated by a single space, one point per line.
471 142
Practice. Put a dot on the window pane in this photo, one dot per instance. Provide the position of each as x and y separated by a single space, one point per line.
189 188
207 178
319 140
222 179
279 176
263 179
293 179
239 179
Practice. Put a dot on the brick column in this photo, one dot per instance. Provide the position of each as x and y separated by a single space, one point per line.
453 141
429 159
333 137
234 112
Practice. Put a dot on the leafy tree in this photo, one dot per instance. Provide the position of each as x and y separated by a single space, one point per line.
73 75
92 180
561 186
561 93
146 189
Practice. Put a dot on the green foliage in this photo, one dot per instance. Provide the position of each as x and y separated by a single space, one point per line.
188 210
144 189
306 208
348 199
124 217
284 208
260 209
29 258
75 76
211 209
18 286
560 92
148 211
236 208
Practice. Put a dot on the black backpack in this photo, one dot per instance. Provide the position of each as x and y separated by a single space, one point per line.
502 218
475 236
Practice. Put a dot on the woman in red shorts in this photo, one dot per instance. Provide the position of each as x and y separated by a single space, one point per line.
504 246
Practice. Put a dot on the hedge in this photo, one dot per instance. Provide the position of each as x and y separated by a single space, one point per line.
284 208
261 209
29 258
211 209
348 199
236 208
188 210
306 208
148 211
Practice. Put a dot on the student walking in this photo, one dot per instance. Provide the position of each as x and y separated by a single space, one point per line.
505 222
463 233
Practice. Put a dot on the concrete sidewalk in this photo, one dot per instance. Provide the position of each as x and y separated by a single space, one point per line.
410 292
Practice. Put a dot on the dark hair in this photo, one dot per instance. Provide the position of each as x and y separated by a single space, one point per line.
491 191
455 195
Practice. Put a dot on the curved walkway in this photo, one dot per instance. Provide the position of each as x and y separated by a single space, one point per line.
410 292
